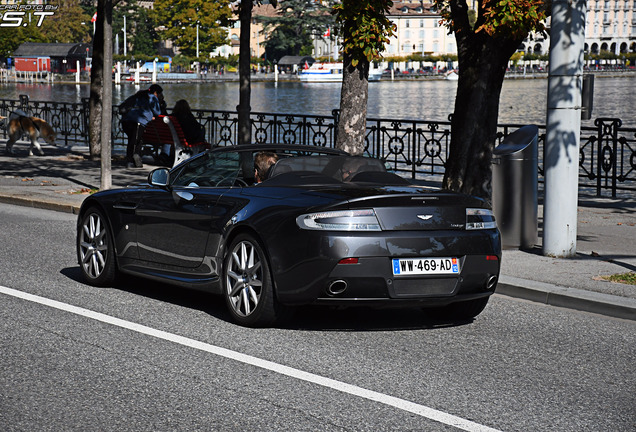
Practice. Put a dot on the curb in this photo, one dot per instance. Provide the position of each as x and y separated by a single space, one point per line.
571 298
39 203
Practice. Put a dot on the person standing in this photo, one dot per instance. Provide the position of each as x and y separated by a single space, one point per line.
145 105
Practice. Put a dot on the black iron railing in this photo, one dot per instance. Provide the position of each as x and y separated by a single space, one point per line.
69 120
415 148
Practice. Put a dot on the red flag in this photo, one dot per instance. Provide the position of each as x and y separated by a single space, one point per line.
94 17
327 33
306 65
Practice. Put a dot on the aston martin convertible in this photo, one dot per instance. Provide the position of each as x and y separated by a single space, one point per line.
321 228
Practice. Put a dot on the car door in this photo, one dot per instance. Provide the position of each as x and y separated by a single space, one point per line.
175 222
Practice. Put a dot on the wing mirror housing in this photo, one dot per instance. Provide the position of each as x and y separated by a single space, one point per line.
159 177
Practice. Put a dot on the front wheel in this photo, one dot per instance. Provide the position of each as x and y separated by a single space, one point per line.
95 250
248 287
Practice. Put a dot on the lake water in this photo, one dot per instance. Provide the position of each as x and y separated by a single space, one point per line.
523 101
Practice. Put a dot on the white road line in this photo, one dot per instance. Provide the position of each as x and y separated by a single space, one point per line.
402 404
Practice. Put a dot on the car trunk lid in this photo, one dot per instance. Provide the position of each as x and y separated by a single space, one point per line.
422 211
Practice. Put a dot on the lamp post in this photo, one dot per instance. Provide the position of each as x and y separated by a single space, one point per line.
275 71
125 43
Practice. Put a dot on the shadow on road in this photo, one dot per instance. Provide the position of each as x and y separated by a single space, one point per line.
306 318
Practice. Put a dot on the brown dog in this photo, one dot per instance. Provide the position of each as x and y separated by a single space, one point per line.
20 125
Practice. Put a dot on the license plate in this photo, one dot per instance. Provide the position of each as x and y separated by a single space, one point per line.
425 266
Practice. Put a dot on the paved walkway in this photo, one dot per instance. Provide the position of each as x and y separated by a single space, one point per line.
606 243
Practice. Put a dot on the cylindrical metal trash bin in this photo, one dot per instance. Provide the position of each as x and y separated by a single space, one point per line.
515 189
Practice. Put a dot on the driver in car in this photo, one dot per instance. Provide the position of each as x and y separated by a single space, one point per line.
351 167
263 161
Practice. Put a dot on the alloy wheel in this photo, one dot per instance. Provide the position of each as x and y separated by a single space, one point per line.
93 246
244 278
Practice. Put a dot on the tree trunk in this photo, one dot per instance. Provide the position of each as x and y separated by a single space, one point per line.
107 97
97 84
244 109
482 66
352 125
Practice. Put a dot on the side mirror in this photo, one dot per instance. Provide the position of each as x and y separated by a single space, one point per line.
159 177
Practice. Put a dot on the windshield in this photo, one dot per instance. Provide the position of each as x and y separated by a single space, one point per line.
228 168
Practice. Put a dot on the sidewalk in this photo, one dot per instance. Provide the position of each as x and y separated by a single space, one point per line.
606 243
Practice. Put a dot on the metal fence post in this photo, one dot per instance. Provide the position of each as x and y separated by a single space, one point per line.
24 102
336 119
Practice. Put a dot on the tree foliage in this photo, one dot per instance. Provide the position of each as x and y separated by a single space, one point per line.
12 38
69 24
365 28
179 19
291 30
145 36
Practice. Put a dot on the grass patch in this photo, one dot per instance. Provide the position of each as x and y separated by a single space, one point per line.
626 278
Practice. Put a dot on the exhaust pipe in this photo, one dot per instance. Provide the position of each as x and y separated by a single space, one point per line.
337 287
492 283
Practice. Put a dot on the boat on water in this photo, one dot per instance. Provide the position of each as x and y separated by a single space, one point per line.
331 72
141 78
451 76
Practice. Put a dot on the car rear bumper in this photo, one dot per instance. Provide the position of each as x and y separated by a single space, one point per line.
324 279
371 281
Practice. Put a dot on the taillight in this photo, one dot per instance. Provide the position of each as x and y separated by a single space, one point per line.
342 220
478 218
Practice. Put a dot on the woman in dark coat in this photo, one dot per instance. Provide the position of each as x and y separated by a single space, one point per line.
192 129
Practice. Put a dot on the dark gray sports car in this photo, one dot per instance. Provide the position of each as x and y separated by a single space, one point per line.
321 228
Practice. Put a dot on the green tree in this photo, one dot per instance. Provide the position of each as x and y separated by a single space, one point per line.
141 36
12 37
179 20
365 32
69 24
145 36
484 49
291 30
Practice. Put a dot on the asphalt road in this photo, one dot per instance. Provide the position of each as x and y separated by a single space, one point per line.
152 357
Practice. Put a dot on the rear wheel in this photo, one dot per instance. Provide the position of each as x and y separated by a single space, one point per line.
248 286
95 249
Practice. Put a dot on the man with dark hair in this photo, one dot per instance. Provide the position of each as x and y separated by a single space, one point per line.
147 105
263 161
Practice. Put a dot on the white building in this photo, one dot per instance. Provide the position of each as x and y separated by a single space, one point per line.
418 31
610 25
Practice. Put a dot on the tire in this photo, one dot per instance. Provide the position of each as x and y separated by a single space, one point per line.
248 287
95 250
461 311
